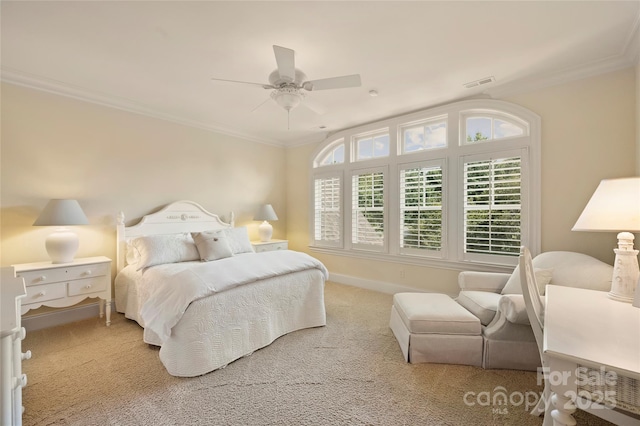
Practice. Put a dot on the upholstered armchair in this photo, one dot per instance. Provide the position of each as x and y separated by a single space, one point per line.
496 299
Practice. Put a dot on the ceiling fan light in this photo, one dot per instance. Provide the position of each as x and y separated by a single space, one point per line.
287 97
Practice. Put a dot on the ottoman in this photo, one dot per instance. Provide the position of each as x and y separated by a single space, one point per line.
432 327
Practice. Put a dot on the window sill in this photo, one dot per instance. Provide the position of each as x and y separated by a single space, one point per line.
458 265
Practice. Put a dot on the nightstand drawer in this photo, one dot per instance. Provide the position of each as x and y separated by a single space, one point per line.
45 276
260 246
86 286
45 292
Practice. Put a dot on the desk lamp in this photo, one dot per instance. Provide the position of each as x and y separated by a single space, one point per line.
615 206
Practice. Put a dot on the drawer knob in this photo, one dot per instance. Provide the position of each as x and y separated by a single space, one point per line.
42 293
88 272
26 355
42 278
22 333
20 382
88 286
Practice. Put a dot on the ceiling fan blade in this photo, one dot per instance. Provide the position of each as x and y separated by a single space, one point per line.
333 83
263 85
261 103
286 63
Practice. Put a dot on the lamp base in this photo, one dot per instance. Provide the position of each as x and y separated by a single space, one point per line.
62 245
625 269
265 230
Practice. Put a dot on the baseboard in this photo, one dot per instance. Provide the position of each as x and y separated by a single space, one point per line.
62 316
381 286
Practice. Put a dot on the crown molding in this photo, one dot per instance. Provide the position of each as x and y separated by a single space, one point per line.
629 56
568 75
633 44
20 78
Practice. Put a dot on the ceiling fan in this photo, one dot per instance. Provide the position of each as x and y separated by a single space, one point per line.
288 82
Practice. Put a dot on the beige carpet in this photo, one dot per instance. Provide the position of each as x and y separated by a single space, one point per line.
350 372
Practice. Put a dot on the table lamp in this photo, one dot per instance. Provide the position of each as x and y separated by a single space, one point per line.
615 206
265 213
62 244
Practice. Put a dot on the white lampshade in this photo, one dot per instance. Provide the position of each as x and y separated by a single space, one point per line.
265 213
62 244
615 206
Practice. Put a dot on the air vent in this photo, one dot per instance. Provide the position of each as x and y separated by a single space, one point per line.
480 82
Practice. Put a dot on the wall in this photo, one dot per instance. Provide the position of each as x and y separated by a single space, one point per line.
588 134
112 160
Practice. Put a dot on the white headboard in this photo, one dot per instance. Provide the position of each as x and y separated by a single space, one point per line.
180 216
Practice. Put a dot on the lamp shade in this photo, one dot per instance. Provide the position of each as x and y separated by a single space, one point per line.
61 213
614 206
265 212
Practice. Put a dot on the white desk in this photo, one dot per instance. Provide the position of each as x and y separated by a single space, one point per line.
586 328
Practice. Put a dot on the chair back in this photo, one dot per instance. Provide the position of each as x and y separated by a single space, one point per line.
531 295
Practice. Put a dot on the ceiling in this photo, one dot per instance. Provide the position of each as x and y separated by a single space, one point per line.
158 58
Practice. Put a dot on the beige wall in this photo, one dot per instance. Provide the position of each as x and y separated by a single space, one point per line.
112 160
588 134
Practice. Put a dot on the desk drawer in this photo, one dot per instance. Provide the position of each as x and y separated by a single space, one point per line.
87 286
45 292
46 276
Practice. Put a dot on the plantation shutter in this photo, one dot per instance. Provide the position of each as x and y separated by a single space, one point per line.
367 207
327 211
421 209
493 206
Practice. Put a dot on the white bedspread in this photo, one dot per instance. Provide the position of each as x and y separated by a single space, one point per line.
169 298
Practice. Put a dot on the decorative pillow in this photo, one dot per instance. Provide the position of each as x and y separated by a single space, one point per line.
132 254
165 248
212 245
513 286
238 240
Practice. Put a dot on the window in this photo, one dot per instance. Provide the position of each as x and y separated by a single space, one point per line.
367 227
493 206
424 135
450 186
421 209
332 154
480 128
372 146
327 211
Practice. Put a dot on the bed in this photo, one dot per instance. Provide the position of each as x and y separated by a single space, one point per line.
205 314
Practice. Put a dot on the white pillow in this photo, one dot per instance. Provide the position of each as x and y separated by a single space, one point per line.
513 286
238 239
165 248
212 245
132 254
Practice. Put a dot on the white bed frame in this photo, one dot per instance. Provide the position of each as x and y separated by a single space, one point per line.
180 216
217 330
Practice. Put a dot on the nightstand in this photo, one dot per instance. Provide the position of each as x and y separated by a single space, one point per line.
12 380
262 246
65 284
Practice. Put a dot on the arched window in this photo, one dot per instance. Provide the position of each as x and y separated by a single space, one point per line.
484 126
333 153
454 184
